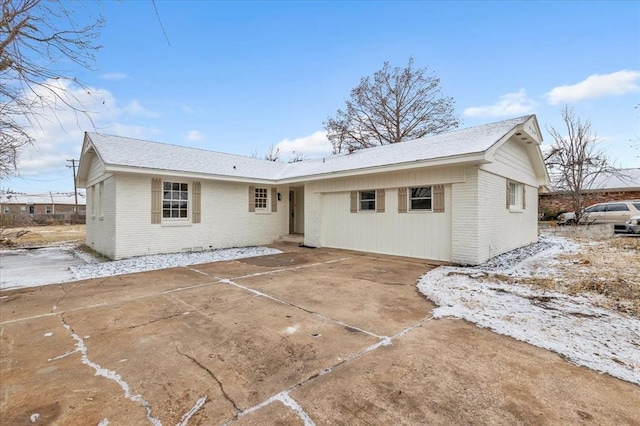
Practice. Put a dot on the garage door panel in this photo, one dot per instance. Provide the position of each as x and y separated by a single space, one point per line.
424 235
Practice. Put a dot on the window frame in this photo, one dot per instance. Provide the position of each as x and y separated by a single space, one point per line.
260 197
368 200
516 197
6 210
411 198
181 189
48 210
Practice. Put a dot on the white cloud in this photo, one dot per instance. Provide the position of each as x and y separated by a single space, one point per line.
58 133
314 145
596 86
187 109
114 76
134 108
195 136
508 105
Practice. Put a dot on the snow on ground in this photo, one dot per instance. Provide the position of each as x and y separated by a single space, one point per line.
570 325
65 263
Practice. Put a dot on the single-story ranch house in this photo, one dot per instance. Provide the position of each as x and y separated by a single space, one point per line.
460 197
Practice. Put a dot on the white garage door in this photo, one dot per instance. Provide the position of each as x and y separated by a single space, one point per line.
423 235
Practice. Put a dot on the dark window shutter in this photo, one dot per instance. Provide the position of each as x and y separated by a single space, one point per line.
156 200
274 199
252 198
524 196
380 201
196 204
354 201
438 198
402 200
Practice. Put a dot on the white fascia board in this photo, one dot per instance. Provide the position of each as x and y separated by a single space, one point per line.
463 160
186 175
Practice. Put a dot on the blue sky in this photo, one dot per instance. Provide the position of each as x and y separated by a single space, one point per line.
238 77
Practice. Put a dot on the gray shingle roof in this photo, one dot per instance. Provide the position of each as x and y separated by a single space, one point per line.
123 151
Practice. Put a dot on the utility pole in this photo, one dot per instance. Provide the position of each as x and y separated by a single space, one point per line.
75 189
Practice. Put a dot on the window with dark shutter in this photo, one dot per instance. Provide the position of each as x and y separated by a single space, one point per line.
402 200
156 200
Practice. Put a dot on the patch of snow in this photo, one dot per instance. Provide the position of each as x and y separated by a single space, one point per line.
597 338
34 417
54 265
162 261
104 422
286 399
187 416
49 334
111 375
292 329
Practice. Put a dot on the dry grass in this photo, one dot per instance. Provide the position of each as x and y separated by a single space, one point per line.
609 268
42 235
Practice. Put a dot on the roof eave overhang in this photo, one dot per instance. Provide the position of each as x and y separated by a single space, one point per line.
460 160
185 175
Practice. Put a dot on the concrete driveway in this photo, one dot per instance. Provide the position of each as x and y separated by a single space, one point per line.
308 336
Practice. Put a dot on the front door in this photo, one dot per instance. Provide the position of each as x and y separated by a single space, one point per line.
292 211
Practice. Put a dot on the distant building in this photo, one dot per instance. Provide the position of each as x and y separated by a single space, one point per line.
21 207
606 187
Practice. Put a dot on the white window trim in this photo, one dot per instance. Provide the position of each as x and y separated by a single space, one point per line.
409 198
176 221
267 200
375 201
516 202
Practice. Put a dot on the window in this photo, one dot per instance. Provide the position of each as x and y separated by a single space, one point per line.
595 209
47 209
367 200
175 200
32 209
100 198
515 196
261 195
420 198
22 209
617 208
6 209
636 205
513 193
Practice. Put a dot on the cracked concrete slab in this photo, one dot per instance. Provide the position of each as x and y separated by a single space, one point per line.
384 289
300 336
452 372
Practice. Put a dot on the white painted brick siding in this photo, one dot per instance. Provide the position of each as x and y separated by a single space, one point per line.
226 221
101 230
465 235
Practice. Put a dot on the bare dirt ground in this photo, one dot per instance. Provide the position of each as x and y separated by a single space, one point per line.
303 337
42 235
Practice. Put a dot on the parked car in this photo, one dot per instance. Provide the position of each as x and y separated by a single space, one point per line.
633 225
616 212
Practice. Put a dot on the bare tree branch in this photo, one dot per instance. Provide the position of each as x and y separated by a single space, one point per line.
574 161
397 104
31 46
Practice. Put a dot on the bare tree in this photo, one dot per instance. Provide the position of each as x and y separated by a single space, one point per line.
574 161
34 52
272 154
397 104
297 157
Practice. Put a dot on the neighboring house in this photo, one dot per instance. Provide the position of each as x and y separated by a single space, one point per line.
50 203
459 197
624 185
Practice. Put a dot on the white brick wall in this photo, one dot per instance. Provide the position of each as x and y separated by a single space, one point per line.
226 221
101 230
465 218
